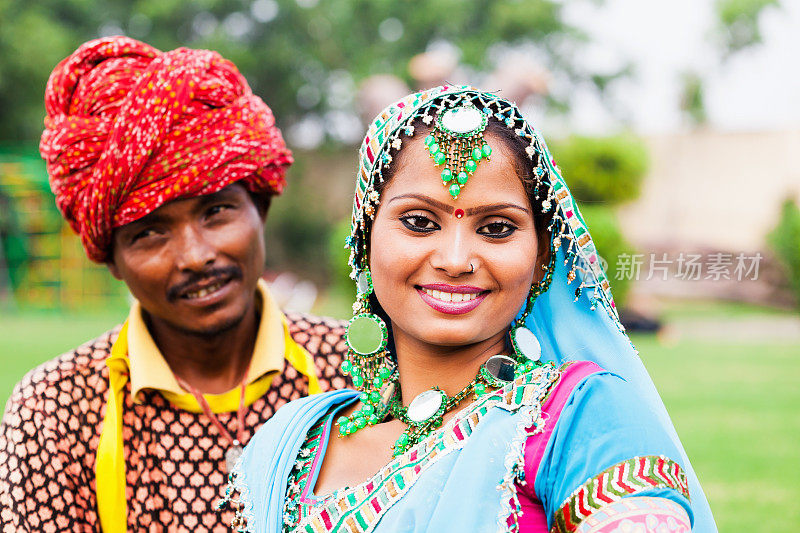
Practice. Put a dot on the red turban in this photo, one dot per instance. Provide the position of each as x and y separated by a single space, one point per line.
130 128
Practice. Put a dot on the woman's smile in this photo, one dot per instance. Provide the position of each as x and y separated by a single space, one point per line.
452 299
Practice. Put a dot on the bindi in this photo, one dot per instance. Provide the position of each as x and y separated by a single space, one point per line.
459 213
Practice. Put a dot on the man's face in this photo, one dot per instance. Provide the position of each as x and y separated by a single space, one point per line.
193 263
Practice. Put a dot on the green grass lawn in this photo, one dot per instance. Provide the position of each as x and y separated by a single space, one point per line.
736 406
30 338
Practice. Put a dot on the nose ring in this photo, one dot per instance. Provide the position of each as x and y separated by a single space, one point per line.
471 268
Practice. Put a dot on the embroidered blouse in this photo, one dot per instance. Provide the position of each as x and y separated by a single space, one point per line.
592 445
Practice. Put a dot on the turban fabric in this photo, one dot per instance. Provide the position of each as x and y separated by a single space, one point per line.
130 128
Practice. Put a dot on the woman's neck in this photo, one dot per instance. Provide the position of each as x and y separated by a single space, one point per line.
451 368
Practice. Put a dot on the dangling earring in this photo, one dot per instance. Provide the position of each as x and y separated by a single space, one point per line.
366 335
367 361
524 342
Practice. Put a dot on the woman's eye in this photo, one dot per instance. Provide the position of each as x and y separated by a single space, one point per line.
419 223
497 229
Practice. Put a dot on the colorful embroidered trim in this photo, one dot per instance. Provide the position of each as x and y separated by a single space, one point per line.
638 513
359 509
623 479
294 509
531 423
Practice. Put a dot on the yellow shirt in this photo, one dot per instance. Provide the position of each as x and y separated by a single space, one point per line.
149 370
135 356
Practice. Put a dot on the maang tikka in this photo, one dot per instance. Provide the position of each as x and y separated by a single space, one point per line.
457 143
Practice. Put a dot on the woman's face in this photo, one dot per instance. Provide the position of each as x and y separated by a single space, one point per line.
452 272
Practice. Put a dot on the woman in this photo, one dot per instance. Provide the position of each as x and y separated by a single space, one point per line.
477 284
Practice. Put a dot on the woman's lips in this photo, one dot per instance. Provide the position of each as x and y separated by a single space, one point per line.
452 299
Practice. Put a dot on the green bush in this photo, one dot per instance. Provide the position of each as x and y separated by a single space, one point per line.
602 169
340 269
610 243
298 229
785 242
603 172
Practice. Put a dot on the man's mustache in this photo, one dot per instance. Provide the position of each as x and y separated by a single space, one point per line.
196 278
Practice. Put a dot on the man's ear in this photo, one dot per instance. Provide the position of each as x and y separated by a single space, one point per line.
112 267
262 204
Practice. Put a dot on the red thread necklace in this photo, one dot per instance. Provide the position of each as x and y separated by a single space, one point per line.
234 451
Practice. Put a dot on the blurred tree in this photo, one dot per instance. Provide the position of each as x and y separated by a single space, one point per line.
737 22
304 57
785 242
736 28
604 172
692 98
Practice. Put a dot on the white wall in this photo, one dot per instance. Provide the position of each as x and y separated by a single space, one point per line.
707 189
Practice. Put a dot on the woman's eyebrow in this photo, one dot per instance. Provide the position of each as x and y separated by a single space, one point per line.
449 209
426 199
494 207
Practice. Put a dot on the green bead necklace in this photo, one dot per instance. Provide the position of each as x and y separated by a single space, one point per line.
426 412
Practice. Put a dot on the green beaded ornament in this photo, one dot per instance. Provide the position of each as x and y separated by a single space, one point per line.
457 142
426 412
454 190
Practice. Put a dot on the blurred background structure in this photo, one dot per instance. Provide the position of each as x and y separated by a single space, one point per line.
676 124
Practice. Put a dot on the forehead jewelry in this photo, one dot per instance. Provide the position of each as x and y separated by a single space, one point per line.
457 143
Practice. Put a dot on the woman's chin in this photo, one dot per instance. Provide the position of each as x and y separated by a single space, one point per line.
452 339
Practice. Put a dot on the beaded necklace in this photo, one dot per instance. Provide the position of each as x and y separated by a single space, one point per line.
426 411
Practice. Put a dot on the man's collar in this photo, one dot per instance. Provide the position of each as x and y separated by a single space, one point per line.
149 369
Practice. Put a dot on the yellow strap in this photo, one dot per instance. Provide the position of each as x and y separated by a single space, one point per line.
227 402
110 463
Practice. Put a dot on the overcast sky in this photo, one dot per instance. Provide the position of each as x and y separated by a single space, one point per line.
757 89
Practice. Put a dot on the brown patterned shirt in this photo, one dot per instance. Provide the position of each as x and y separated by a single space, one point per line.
174 458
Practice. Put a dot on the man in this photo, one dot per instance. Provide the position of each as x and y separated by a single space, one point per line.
164 164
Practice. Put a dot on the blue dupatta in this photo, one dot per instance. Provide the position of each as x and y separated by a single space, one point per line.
270 456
